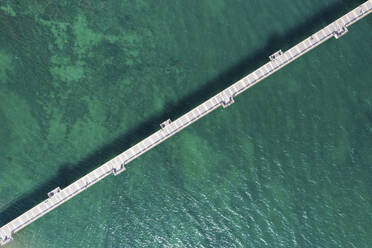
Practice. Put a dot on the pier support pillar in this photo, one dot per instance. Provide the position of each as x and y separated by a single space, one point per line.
5 240
165 123
276 55
341 32
227 102
54 191
117 171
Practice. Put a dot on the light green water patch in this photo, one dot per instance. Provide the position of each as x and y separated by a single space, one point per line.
5 134
158 99
60 59
340 147
59 31
47 107
194 168
247 148
200 164
130 38
290 123
124 83
96 109
67 78
68 73
19 152
81 135
8 9
141 4
57 129
280 195
214 8
5 66
17 112
86 41
37 8
130 43
85 38
293 84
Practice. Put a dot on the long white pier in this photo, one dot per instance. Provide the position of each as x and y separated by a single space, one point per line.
169 128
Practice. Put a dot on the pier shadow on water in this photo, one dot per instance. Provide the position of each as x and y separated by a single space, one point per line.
69 173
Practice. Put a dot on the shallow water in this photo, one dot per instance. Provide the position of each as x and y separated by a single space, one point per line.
287 165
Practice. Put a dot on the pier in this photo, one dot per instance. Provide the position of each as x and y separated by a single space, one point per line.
169 127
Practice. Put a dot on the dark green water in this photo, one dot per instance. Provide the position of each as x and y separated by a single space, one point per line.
288 165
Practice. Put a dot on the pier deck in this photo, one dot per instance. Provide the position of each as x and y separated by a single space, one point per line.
169 128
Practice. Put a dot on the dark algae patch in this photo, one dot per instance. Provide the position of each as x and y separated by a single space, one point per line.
287 165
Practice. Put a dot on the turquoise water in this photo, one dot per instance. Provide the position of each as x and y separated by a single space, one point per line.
289 164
